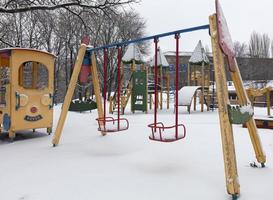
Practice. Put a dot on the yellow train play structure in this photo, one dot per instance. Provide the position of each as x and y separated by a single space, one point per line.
26 90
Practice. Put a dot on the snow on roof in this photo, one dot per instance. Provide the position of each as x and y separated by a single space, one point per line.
180 53
199 55
161 59
132 53
183 53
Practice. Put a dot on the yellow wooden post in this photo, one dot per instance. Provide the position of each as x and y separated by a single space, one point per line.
69 94
189 75
194 101
251 125
110 105
232 183
96 83
21 76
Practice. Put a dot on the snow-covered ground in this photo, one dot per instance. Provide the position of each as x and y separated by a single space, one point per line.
127 165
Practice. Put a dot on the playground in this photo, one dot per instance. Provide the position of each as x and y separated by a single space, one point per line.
145 141
127 165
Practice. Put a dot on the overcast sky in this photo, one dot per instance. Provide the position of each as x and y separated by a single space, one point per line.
243 16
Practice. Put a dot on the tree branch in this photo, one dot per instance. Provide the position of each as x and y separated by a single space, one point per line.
101 6
6 43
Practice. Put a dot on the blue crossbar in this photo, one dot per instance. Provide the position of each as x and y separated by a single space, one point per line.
124 43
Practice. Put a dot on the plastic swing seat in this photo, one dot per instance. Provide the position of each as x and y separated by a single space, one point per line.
109 124
160 132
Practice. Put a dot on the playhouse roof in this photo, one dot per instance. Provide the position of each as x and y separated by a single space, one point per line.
8 50
161 59
199 56
132 53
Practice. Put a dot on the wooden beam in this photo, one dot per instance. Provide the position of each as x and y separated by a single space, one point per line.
232 183
69 94
96 84
251 125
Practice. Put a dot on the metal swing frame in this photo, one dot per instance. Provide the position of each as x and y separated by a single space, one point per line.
159 126
104 120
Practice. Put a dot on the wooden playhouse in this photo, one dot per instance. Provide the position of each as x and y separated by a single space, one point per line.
26 90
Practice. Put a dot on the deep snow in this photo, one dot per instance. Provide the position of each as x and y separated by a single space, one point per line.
127 165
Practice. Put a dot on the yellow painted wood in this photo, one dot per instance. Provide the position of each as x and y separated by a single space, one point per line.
69 94
252 93
29 97
111 105
21 76
189 75
194 101
232 183
96 84
251 125
46 100
23 100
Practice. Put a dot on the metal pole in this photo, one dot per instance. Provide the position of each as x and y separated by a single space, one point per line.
155 83
119 62
176 84
187 30
104 84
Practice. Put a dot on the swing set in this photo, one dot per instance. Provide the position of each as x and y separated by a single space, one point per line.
160 132
222 47
110 124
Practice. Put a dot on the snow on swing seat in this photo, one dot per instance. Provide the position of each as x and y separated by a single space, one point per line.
109 124
166 133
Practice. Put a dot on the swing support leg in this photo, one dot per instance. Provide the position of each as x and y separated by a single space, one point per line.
69 94
251 125
232 184
96 84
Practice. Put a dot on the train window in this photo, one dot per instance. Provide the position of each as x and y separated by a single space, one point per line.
33 75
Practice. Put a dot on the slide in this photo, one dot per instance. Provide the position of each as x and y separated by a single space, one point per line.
186 94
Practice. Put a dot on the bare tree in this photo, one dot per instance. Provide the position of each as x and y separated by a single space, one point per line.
57 27
265 46
259 45
272 49
123 27
15 6
240 49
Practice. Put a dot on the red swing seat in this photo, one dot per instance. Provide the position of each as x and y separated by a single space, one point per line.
110 124
159 134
